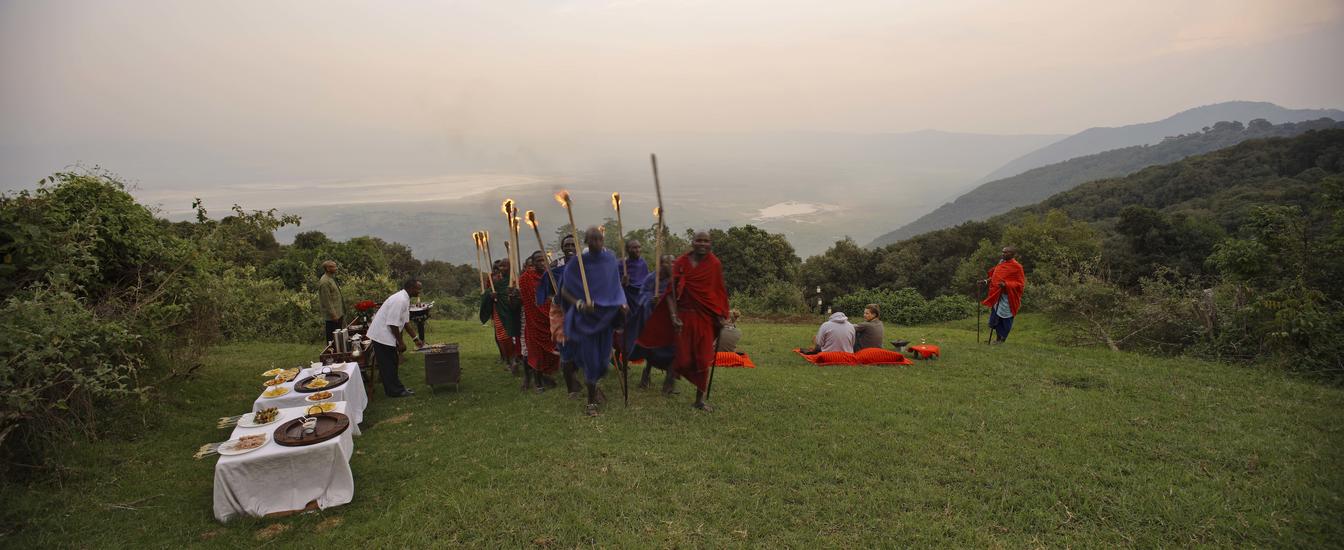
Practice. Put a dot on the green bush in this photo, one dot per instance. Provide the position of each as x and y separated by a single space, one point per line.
61 362
905 306
778 298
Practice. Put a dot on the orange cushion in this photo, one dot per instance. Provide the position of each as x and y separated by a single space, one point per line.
731 359
879 356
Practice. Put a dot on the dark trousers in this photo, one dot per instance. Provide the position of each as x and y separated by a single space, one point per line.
330 327
387 368
1001 325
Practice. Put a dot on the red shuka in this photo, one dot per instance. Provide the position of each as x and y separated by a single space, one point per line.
702 302
537 326
1014 278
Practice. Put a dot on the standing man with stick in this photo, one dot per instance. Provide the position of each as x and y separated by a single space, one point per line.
696 308
1006 283
591 323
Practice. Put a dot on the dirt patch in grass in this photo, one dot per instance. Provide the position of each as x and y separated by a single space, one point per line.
270 531
398 419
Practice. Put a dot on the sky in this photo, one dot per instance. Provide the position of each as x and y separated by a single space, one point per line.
252 88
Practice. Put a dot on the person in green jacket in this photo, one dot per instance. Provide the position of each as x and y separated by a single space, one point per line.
331 302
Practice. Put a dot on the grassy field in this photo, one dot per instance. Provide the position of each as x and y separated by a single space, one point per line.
1023 445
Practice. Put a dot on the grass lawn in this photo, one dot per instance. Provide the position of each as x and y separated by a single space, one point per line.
1024 445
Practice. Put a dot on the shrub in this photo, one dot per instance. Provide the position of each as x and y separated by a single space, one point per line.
778 298
61 361
905 306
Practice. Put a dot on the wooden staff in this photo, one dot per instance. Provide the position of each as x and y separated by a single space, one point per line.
518 251
507 208
532 222
620 234
476 238
563 198
489 260
658 243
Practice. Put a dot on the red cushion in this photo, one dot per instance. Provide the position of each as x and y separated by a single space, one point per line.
879 356
730 359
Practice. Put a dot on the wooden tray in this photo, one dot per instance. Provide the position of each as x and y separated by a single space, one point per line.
334 380
329 425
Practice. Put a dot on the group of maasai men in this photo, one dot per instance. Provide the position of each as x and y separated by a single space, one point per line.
556 321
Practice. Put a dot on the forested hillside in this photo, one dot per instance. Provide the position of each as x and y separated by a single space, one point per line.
999 196
1096 140
1237 253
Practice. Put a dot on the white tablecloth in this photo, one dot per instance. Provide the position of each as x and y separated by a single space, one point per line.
352 392
276 478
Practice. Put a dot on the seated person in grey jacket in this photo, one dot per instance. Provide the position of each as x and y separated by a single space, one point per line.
836 334
869 333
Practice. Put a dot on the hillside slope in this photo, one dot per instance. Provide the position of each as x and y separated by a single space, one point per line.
1035 185
1096 140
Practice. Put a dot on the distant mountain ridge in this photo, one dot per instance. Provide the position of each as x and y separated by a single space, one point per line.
1002 195
1096 140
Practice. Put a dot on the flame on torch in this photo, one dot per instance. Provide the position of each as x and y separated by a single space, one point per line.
531 219
506 207
562 197
616 201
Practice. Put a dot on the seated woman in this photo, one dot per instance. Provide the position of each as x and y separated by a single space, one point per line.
836 334
870 332
730 335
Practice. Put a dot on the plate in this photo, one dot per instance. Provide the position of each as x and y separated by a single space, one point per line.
275 392
271 373
273 382
322 395
246 421
230 447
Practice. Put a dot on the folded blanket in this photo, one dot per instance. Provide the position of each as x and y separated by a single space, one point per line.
867 356
733 359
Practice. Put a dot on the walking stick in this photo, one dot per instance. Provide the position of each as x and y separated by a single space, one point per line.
489 260
658 244
563 198
620 232
712 366
476 238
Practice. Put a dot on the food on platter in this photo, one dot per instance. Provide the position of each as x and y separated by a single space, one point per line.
316 383
266 415
289 374
320 396
249 442
320 408
274 382
272 372
275 392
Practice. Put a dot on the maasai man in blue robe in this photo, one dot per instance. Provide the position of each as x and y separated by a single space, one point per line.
589 325
640 311
633 272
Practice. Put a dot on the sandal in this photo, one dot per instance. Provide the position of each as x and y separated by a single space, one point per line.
591 410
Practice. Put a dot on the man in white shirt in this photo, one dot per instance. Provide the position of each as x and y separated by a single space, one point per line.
385 331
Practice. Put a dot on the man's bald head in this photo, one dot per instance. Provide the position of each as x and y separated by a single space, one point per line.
701 244
594 238
1009 253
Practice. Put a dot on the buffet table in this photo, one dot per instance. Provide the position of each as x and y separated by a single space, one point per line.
352 392
275 478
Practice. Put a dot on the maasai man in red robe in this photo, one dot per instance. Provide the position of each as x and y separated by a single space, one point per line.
557 314
697 308
1006 282
542 359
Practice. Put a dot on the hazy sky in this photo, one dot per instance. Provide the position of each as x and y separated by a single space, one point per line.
253 76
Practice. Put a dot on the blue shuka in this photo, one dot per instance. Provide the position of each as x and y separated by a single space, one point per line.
589 335
638 271
640 311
